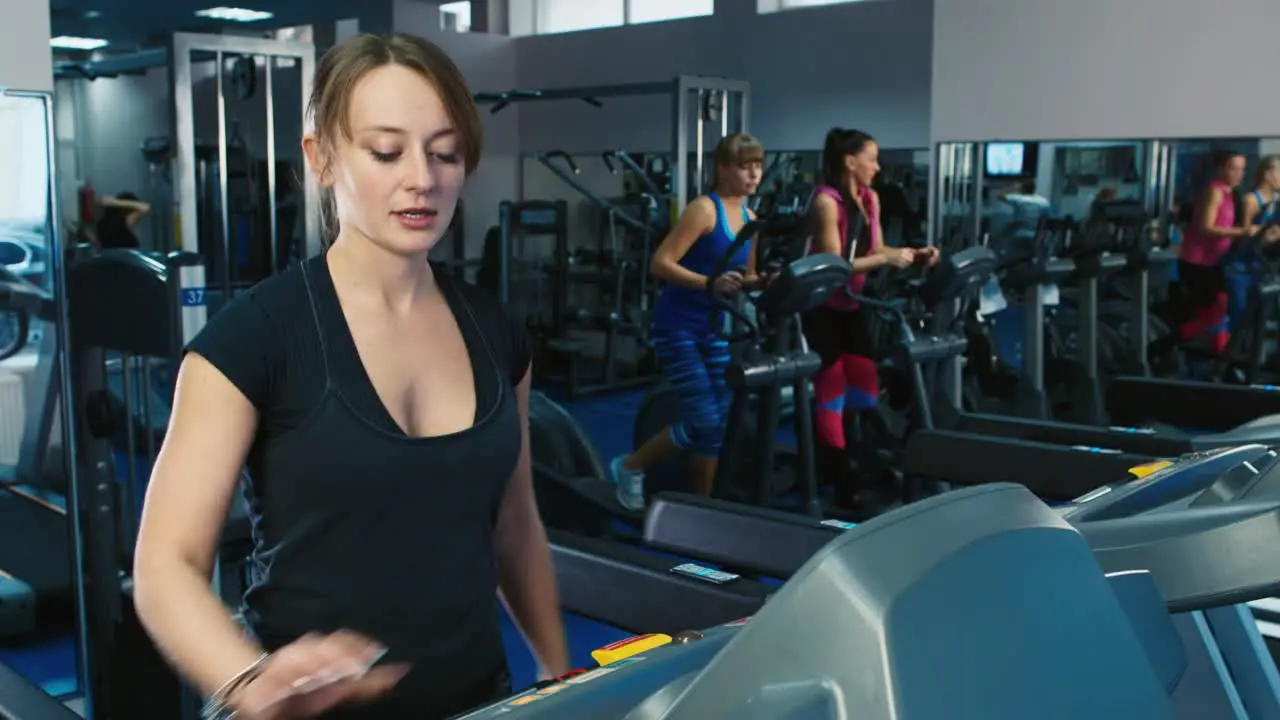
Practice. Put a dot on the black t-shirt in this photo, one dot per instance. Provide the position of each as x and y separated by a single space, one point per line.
265 342
357 525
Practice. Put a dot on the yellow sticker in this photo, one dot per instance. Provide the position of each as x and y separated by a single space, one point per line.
624 649
523 701
1141 471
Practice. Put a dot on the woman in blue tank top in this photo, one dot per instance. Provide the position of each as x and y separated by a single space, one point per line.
1244 265
691 354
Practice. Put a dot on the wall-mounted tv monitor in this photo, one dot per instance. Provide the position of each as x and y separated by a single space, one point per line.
1006 159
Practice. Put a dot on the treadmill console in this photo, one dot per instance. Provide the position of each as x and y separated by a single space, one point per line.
1163 482
965 609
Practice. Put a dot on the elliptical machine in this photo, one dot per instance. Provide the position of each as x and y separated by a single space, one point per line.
771 356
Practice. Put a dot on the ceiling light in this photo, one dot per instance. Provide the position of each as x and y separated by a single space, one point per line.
92 14
231 14
67 42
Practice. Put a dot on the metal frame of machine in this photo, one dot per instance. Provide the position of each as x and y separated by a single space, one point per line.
180 51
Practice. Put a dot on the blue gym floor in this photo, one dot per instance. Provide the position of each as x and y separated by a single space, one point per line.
607 419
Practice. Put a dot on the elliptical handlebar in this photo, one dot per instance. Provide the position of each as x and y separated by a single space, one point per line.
774 227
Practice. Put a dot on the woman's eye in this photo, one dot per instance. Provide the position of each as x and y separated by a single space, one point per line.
384 157
447 158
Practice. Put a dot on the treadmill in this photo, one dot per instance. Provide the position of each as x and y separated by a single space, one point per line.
21 700
1207 538
1003 614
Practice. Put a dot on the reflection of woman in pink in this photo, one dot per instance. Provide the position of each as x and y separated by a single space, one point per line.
1208 239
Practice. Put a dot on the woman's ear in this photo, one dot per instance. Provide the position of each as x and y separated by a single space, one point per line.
318 160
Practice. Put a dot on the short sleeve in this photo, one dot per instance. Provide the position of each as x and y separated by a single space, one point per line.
239 341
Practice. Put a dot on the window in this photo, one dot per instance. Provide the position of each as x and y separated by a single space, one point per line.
772 6
649 11
562 16
456 16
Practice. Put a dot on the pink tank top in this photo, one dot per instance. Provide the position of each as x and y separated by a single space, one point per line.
852 248
1199 248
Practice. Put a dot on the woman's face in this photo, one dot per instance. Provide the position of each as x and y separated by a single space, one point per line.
1233 171
397 179
865 165
742 179
1272 177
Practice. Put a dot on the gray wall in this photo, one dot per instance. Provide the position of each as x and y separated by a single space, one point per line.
25 60
1097 69
489 63
861 64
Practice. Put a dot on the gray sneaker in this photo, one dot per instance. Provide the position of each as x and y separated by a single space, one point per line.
629 483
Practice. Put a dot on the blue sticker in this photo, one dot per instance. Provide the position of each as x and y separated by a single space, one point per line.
1097 450
193 297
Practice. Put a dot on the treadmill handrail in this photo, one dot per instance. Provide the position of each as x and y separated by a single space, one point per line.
20 700
1183 550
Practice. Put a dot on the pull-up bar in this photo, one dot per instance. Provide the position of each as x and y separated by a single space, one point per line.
691 97
568 177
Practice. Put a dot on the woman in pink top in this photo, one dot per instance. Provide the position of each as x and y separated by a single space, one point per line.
847 215
1209 238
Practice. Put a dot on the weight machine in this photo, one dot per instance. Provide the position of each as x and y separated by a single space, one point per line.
234 202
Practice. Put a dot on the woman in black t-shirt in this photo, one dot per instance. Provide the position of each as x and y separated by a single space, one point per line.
381 408
120 215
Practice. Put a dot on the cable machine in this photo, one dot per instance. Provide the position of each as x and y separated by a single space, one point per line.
697 102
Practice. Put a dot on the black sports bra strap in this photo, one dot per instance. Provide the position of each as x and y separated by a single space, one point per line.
488 348
315 315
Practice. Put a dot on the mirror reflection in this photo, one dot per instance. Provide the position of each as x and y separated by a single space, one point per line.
1207 307
37 608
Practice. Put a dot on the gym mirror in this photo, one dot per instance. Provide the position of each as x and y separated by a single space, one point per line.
37 599
24 188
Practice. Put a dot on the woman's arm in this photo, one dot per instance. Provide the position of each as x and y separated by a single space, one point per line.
1251 210
195 474
526 578
698 219
1209 206
877 230
829 240
752 279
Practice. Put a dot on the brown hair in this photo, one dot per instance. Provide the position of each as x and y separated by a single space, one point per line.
739 149
1266 165
343 66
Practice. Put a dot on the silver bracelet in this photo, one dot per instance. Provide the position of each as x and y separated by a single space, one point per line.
216 708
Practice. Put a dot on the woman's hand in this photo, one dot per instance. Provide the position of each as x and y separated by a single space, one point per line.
728 283
314 674
1271 234
899 257
928 255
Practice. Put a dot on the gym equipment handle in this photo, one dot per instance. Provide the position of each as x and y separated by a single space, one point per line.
619 214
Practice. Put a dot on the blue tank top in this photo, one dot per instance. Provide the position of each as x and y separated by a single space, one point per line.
1266 210
686 309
